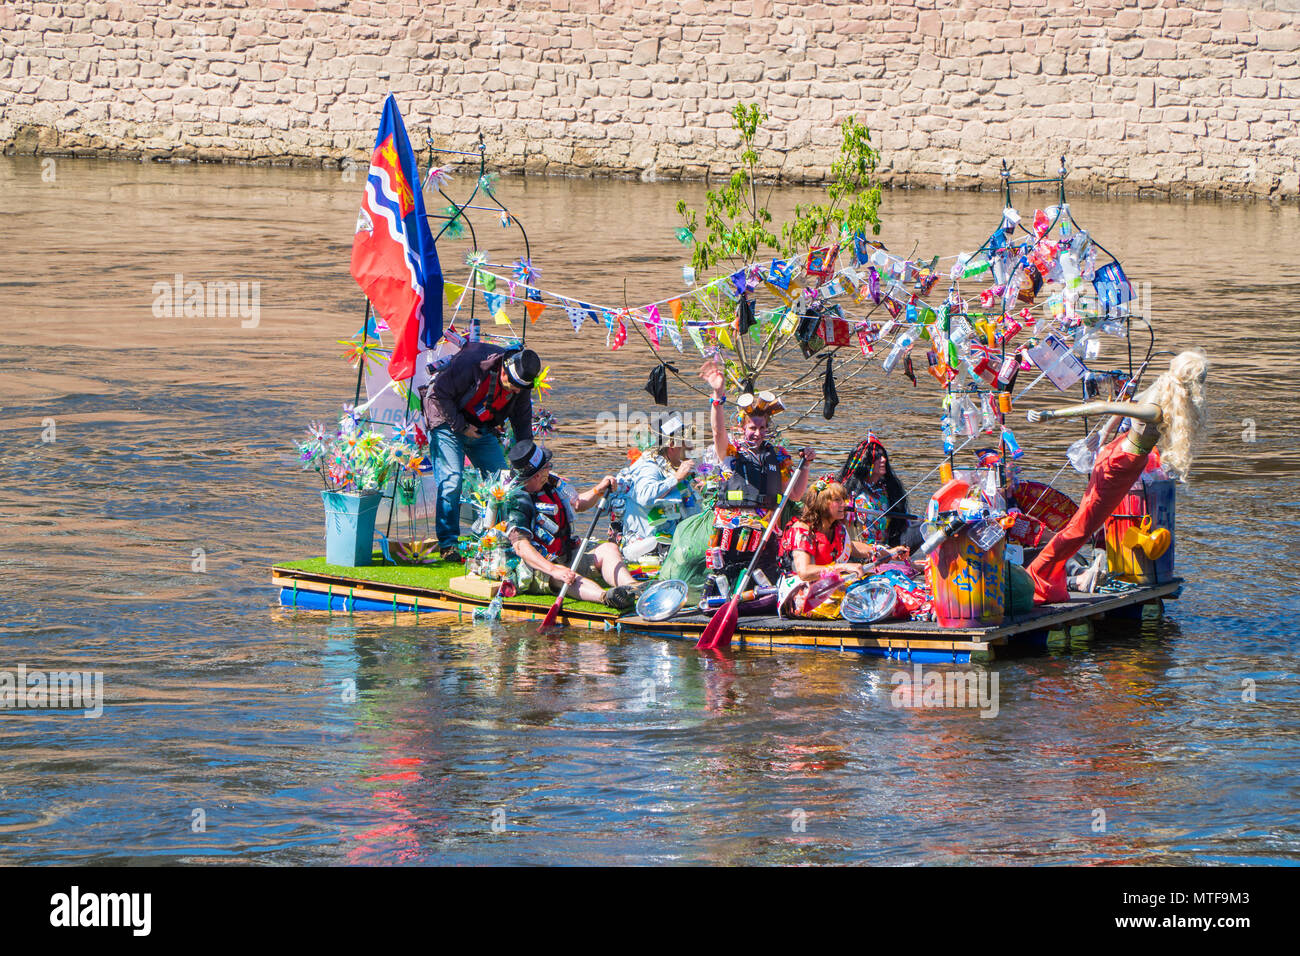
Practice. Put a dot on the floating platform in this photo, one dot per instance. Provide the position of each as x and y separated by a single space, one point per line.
315 585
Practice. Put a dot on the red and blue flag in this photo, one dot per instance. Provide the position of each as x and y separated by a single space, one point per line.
393 255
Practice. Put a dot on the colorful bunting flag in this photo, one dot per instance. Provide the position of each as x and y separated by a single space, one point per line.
575 314
534 305
694 333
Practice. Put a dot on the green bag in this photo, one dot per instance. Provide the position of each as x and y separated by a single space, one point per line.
1022 590
685 560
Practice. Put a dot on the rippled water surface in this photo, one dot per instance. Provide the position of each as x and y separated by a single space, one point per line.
173 435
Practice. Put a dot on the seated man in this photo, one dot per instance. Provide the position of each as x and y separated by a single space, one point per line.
539 524
471 397
660 494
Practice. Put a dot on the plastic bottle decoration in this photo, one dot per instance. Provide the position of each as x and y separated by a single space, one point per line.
1030 284
901 344
968 416
1009 439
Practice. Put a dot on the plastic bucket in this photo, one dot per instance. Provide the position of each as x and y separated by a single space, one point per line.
1155 499
969 584
350 527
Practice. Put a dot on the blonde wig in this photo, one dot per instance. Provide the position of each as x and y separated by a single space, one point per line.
1180 393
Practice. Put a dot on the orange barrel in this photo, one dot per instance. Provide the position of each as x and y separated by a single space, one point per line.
969 584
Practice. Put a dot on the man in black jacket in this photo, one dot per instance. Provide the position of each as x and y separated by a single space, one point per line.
472 396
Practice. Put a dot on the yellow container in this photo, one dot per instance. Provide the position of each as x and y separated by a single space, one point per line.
1144 518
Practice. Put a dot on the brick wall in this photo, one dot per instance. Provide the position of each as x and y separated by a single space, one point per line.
1149 96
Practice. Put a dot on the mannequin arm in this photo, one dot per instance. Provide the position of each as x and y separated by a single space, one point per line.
1140 411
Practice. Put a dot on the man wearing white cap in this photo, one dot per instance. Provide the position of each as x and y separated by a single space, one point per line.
658 493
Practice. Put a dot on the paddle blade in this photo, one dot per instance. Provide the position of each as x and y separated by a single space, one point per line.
551 616
721 628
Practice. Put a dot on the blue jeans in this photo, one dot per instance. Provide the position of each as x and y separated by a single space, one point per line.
449 452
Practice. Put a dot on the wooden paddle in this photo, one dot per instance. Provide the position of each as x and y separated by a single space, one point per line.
723 626
554 612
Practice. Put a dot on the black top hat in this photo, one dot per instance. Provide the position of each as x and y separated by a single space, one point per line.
522 367
527 458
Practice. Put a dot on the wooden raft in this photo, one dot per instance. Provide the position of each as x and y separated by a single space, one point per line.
920 640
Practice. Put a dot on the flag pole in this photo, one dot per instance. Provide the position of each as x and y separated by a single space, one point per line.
361 359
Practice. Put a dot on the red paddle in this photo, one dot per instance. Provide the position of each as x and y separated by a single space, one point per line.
723 626
554 612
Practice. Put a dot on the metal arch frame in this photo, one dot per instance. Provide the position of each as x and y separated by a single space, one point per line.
468 204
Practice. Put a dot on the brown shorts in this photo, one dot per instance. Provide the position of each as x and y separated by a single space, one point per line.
586 567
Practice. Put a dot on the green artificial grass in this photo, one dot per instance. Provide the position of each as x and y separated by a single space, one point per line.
433 577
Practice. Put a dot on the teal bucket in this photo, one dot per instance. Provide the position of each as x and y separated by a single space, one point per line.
350 527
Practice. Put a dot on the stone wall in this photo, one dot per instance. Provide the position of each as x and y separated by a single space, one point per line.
1157 96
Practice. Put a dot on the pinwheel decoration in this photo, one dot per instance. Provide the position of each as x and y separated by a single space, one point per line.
542 383
440 176
407 433
360 352
544 423
525 272
455 227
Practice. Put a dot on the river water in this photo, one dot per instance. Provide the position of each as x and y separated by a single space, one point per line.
150 481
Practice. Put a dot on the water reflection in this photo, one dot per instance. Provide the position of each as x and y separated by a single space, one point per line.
371 738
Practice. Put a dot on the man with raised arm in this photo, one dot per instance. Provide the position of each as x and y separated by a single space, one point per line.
754 474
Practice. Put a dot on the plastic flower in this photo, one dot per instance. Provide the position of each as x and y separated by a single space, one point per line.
525 272
455 221
544 423
360 352
349 420
541 384
405 432
439 176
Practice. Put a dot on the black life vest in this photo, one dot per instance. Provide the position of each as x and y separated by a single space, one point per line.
486 406
552 527
753 483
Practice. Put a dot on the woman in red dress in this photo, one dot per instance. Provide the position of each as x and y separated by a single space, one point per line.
818 554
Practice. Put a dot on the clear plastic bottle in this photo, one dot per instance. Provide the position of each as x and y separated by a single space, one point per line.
970 419
901 345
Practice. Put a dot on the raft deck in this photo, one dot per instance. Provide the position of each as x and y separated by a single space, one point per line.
313 585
